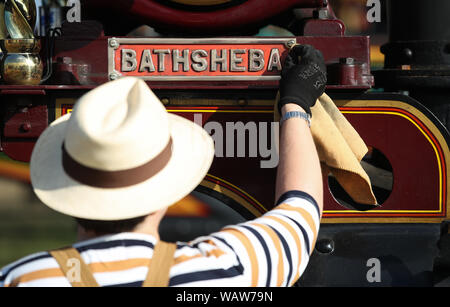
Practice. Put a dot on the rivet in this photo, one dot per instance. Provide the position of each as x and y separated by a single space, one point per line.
321 14
325 246
113 43
408 53
291 43
25 127
347 61
114 76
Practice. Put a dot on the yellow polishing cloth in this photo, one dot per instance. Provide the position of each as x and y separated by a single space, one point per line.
340 149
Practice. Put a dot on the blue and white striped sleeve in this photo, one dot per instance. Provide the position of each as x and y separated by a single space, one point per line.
276 247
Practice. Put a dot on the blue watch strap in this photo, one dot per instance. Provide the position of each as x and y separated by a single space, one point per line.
293 114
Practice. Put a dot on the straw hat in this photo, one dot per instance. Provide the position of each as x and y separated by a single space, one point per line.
119 155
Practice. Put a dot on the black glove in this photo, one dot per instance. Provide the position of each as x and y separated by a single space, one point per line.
302 83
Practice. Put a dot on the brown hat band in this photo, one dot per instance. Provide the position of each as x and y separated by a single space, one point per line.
115 179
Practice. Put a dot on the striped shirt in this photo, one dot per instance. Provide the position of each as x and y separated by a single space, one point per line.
272 250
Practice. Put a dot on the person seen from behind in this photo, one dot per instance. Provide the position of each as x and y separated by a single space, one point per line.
119 160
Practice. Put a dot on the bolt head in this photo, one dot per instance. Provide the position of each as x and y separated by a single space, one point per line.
67 60
114 76
25 127
321 14
325 246
291 43
347 61
408 53
113 43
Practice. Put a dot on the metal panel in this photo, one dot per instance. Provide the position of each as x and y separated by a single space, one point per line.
116 69
404 255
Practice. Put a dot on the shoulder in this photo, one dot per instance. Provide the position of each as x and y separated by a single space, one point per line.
27 269
119 254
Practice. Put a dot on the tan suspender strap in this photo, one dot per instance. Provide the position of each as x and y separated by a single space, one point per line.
162 260
74 268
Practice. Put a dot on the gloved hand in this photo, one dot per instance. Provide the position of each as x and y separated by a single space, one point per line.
302 82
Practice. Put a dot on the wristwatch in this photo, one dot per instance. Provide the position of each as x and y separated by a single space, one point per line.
299 114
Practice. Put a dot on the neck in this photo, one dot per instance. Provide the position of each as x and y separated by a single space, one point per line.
149 226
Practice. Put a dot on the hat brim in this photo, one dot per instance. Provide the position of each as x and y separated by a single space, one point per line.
192 155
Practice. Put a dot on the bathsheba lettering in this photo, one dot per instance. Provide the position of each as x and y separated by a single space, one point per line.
200 60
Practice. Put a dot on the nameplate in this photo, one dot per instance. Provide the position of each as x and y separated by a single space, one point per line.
203 59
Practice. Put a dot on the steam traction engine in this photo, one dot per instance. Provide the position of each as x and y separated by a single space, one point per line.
205 63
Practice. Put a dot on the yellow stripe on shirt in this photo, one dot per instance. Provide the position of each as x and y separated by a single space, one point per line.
277 244
212 253
250 252
306 215
39 274
99 267
295 235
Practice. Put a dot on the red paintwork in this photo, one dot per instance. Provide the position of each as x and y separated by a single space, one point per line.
417 177
234 17
82 49
22 123
21 130
327 27
93 52
409 145
397 137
